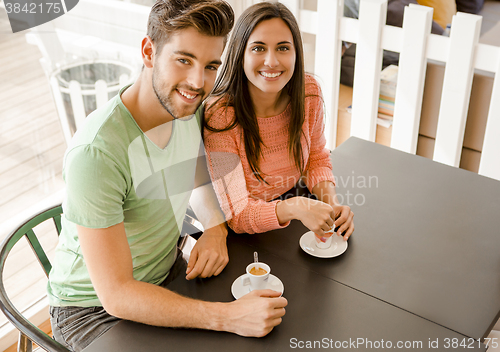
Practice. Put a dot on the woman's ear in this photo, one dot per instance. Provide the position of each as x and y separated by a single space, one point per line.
147 50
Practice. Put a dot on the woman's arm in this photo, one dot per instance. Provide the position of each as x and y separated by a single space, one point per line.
319 177
317 216
243 213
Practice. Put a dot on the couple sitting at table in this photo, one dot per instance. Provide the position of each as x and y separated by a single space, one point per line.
130 169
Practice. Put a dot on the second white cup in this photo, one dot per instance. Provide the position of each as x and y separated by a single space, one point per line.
329 238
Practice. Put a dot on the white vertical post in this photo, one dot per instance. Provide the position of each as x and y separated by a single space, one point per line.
417 24
367 67
101 93
294 6
490 155
238 7
327 62
48 43
75 93
123 80
465 29
61 110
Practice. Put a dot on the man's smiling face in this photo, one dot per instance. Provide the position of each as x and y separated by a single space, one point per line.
184 71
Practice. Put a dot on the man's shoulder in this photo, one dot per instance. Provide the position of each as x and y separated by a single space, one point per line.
109 129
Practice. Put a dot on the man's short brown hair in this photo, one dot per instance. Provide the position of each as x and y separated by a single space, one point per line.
214 18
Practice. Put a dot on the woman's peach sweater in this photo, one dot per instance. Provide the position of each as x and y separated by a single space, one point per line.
247 202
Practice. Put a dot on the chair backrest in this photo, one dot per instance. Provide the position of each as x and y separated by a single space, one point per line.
26 328
93 31
190 227
461 53
74 101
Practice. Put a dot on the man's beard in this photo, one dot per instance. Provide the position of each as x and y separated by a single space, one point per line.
166 101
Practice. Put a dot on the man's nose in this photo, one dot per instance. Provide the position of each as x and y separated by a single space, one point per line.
196 78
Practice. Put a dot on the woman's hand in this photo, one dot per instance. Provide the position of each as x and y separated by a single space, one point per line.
315 215
344 224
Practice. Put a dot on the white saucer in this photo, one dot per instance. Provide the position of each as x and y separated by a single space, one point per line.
308 244
238 290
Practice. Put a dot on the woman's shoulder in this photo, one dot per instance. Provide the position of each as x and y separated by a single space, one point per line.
312 86
313 102
218 112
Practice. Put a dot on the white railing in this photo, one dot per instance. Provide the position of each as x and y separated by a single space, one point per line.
461 52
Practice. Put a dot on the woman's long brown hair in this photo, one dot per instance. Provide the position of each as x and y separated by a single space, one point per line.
232 84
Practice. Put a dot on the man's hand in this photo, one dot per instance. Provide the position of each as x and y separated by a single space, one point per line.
343 220
256 313
209 256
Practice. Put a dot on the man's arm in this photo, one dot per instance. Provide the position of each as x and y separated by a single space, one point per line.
109 262
209 255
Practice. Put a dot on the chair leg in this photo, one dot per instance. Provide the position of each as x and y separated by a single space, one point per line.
182 242
24 344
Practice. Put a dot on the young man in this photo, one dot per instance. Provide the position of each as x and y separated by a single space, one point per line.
129 172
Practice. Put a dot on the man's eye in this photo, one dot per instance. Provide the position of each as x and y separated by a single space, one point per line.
184 61
212 68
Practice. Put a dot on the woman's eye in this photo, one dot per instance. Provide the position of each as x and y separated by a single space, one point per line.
257 49
283 48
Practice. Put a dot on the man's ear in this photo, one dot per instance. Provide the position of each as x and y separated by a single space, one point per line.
147 50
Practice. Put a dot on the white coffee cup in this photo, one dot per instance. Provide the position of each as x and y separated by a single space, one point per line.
329 238
256 281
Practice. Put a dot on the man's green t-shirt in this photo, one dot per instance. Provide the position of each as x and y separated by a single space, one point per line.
114 173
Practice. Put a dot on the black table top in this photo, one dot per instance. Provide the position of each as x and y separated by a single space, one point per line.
426 237
319 309
422 265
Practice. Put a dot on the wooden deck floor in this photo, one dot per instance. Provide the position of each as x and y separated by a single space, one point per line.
31 150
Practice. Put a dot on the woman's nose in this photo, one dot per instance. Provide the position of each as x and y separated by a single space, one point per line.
271 60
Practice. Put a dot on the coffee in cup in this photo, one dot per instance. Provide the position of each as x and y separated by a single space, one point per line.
257 271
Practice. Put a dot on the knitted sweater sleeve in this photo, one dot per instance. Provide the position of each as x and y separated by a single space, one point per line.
319 166
226 156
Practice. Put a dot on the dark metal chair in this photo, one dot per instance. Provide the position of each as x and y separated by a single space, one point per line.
28 332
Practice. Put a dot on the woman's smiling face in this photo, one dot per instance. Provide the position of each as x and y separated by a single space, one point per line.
269 59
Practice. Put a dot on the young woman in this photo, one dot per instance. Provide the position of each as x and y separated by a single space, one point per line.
264 131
